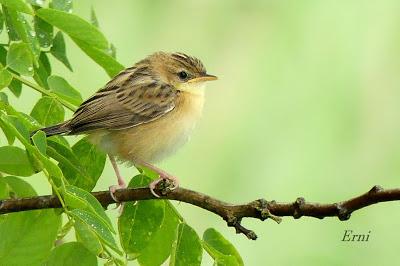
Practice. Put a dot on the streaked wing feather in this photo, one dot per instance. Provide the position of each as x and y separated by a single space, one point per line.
125 102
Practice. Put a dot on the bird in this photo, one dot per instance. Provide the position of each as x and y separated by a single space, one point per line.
144 114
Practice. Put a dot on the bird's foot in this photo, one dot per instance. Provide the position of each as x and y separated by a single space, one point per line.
165 183
113 189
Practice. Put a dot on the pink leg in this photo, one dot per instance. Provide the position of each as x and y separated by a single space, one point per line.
162 176
121 181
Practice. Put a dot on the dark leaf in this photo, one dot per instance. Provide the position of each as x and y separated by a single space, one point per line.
42 71
58 50
90 166
161 244
44 32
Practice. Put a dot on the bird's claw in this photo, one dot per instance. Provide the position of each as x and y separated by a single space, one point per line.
165 184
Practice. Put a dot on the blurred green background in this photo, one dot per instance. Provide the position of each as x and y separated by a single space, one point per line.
307 104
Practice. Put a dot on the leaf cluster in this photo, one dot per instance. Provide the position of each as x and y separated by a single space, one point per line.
148 231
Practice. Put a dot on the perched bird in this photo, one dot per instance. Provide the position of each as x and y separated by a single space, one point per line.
143 114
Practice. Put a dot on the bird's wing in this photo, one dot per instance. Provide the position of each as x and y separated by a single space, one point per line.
125 102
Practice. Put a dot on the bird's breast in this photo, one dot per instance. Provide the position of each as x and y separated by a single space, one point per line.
153 141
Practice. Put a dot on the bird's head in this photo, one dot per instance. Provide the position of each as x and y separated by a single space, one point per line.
183 72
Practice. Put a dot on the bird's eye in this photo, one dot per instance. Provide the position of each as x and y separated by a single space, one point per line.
183 75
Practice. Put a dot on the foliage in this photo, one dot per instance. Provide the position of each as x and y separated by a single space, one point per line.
148 231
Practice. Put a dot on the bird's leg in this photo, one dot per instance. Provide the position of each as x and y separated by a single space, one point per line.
162 176
121 181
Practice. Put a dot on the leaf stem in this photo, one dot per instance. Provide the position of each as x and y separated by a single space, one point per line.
44 91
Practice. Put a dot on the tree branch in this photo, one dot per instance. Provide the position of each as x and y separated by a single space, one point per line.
233 214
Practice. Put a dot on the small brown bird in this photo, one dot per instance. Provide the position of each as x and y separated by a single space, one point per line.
143 114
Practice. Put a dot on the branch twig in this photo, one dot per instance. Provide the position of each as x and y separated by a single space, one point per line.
232 214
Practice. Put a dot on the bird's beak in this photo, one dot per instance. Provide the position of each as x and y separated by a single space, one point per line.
203 78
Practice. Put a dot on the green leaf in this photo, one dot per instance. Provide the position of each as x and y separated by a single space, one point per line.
15 87
139 221
44 32
20 59
187 249
80 199
88 238
72 253
19 125
14 161
74 26
9 19
19 29
91 165
85 35
58 50
8 133
5 77
97 226
18 5
220 249
1 21
63 5
161 244
65 91
102 57
48 111
42 71
93 18
39 139
26 237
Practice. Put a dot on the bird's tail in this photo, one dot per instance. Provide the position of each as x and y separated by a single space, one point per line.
62 128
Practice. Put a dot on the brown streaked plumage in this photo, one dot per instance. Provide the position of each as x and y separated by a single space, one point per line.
144 113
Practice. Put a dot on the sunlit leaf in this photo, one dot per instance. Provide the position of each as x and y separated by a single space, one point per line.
102 57
20 59
74 26
14 161
48 111
187 248
72 253
18 28
17 5
26 237
139 221
5 77
221 249
1 21
58 50
88 237
97 226
39 139
64 90
81 199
